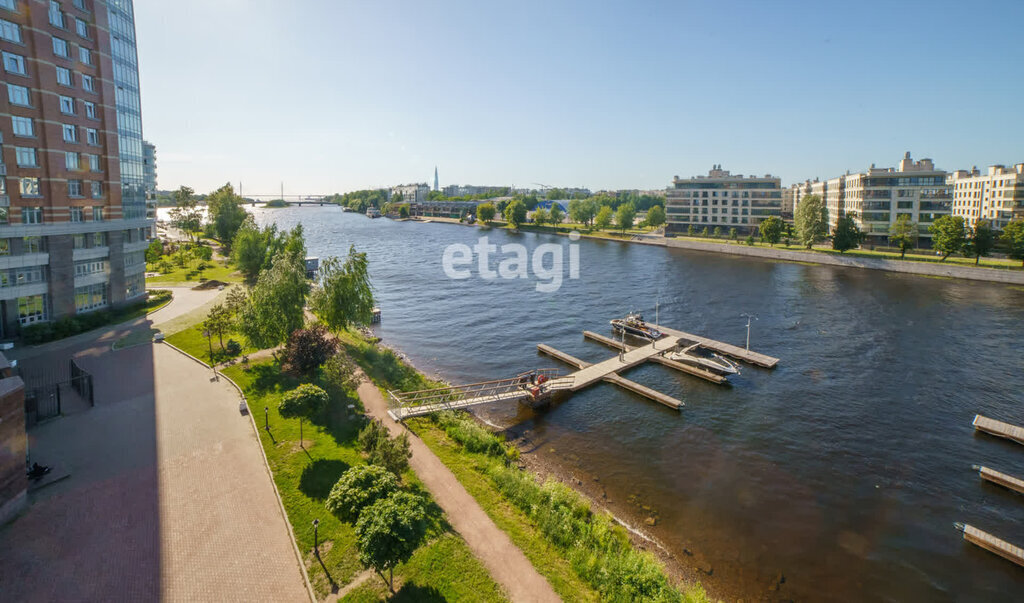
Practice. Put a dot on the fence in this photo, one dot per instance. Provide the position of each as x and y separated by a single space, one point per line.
50 391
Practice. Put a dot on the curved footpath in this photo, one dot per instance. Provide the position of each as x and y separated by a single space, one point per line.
506 563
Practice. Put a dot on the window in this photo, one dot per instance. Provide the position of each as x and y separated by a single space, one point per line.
71 161
80 4
97 189
87 83
99 239
56 17
94 163
18 95
14 63
90 297
85 55
29 187
10 31
92 136
26 156
90 110
31 215
60 48
67 105
8 4
5 247
77 216
74 188
81 27
97 215
4 216
27 276
90 267
135 285
78 240
22 126
32 309
134 258
64 76
70 133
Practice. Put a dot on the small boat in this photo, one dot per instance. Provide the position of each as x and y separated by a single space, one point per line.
701 357
633 324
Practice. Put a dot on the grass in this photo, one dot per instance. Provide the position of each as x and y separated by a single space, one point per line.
442 569
218 271
191 340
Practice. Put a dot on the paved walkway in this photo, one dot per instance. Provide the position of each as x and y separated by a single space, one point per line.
168 496
506 563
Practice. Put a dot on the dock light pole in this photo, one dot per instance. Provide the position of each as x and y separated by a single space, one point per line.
316 541
749 317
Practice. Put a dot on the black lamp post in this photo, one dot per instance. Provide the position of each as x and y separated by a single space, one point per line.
266 418
316 540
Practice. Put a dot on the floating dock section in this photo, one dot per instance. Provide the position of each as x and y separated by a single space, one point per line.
723 348
999 428
992 544
1001 479
679 366
611 377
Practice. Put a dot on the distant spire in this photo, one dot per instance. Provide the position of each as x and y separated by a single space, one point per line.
435 178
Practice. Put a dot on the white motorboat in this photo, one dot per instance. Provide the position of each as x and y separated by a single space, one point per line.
699 356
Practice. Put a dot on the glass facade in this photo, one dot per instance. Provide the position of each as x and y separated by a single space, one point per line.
129 110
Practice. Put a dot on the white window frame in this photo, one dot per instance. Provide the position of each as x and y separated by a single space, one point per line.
23 153
77 215
15 60
90 109
19 95
84 55
94 163
71 129
17 126
82 28
75 188
10 31
67 79
61 48
96 189
67 105
92 137
55 14
87 83
72 161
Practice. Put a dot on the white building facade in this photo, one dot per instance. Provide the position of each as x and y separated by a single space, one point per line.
996 195
721 199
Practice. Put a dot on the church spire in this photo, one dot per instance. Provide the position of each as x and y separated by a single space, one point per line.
435 177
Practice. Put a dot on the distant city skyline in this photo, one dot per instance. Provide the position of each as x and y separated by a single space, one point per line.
333 97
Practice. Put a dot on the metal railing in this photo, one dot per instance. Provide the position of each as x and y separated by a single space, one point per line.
532 384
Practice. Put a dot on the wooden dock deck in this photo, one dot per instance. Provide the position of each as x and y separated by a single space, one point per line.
999 428
679 366
726 349
620 362
612 377
1001 479
992 544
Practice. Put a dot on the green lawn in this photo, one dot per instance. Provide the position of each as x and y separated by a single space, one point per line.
442 569
191 340
218 271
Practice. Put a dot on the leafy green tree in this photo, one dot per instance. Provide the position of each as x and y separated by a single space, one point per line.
485 212
342 371
235 300
186 215
717 232
582 211
358 488
903 234
249 248
981 241
389 531
555 214
948 235
303 402
1013 240
225 213
344 295
734 234
656 216
541 216
811 220
391 453
403 210
603 219
217 323
307 349
154 251
846 236
276 303
556 194
690 230
704 231
771 230
750 240
515 213
624 216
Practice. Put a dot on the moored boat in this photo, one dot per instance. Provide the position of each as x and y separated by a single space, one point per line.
633 324
701 357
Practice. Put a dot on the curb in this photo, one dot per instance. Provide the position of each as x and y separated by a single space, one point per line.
266 465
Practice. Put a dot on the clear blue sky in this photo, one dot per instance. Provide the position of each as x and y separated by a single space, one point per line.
335 95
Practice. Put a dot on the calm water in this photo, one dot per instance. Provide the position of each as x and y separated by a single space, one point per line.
843 469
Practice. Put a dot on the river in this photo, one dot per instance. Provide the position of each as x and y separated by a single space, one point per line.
843 470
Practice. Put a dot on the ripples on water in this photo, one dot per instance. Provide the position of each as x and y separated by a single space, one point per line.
843 469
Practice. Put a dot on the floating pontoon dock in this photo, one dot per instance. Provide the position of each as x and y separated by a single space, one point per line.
622 382
999 428
679 366
726 349
992 544
1001 479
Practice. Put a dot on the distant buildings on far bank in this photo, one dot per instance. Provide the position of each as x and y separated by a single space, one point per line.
721 200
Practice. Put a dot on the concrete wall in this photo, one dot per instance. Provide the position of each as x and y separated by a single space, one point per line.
13 445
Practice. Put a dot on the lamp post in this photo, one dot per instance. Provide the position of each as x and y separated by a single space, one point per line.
749 317
266 418
316 540
209 340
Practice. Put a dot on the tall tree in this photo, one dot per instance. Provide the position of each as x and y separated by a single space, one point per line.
811 220
225 214
903 234
249 248
624 217
656 216
555 214
847 235
541 216
981 241
358 488
344 295
604 217
186 215
389 531
515 213
304 402
485 212
556 194
218 322
948 235
1013 240
770 230
276 303
582 211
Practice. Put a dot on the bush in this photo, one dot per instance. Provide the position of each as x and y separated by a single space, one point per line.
750 240
340 371
303 402
391 453
358 488
307 349
233 348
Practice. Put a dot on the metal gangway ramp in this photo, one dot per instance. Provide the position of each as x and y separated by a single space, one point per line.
533 385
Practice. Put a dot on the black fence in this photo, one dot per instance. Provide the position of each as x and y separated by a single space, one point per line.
51 391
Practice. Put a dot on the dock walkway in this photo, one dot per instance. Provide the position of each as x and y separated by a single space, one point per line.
727 349
613 378
679 366
596 372
999 428
1001 479
992 544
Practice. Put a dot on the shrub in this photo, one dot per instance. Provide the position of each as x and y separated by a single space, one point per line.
391 453
307 349
469 433
340 371
750 240
303 402
233 348
358 488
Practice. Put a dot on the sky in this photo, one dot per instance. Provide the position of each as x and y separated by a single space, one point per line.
333 96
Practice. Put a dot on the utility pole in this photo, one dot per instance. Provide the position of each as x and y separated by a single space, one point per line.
749 317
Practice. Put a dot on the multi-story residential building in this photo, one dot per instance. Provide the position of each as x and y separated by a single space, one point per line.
996 195
73 224
149 168
791 197
721 199
411 193
465 190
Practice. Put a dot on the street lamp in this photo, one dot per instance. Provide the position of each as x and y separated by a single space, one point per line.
749 317
316 540
266 418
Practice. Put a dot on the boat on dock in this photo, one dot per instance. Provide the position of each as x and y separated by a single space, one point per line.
633 324
700 356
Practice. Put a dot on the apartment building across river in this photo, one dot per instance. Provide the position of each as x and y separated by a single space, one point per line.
723 200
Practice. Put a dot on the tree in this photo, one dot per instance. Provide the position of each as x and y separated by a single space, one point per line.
218 322
236 300
225 214
303 402
485 212
734 234
403 210
186 215
603 219
625 216
389 531
358 488
903 234
341 371
541 216
276 303
555 214
515 213
690 230
582 211
344 296
249 248
846 236
556 194
981 241
391 453
1013 240
307 349
656 216
154 251
771 230
948 235
811 220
